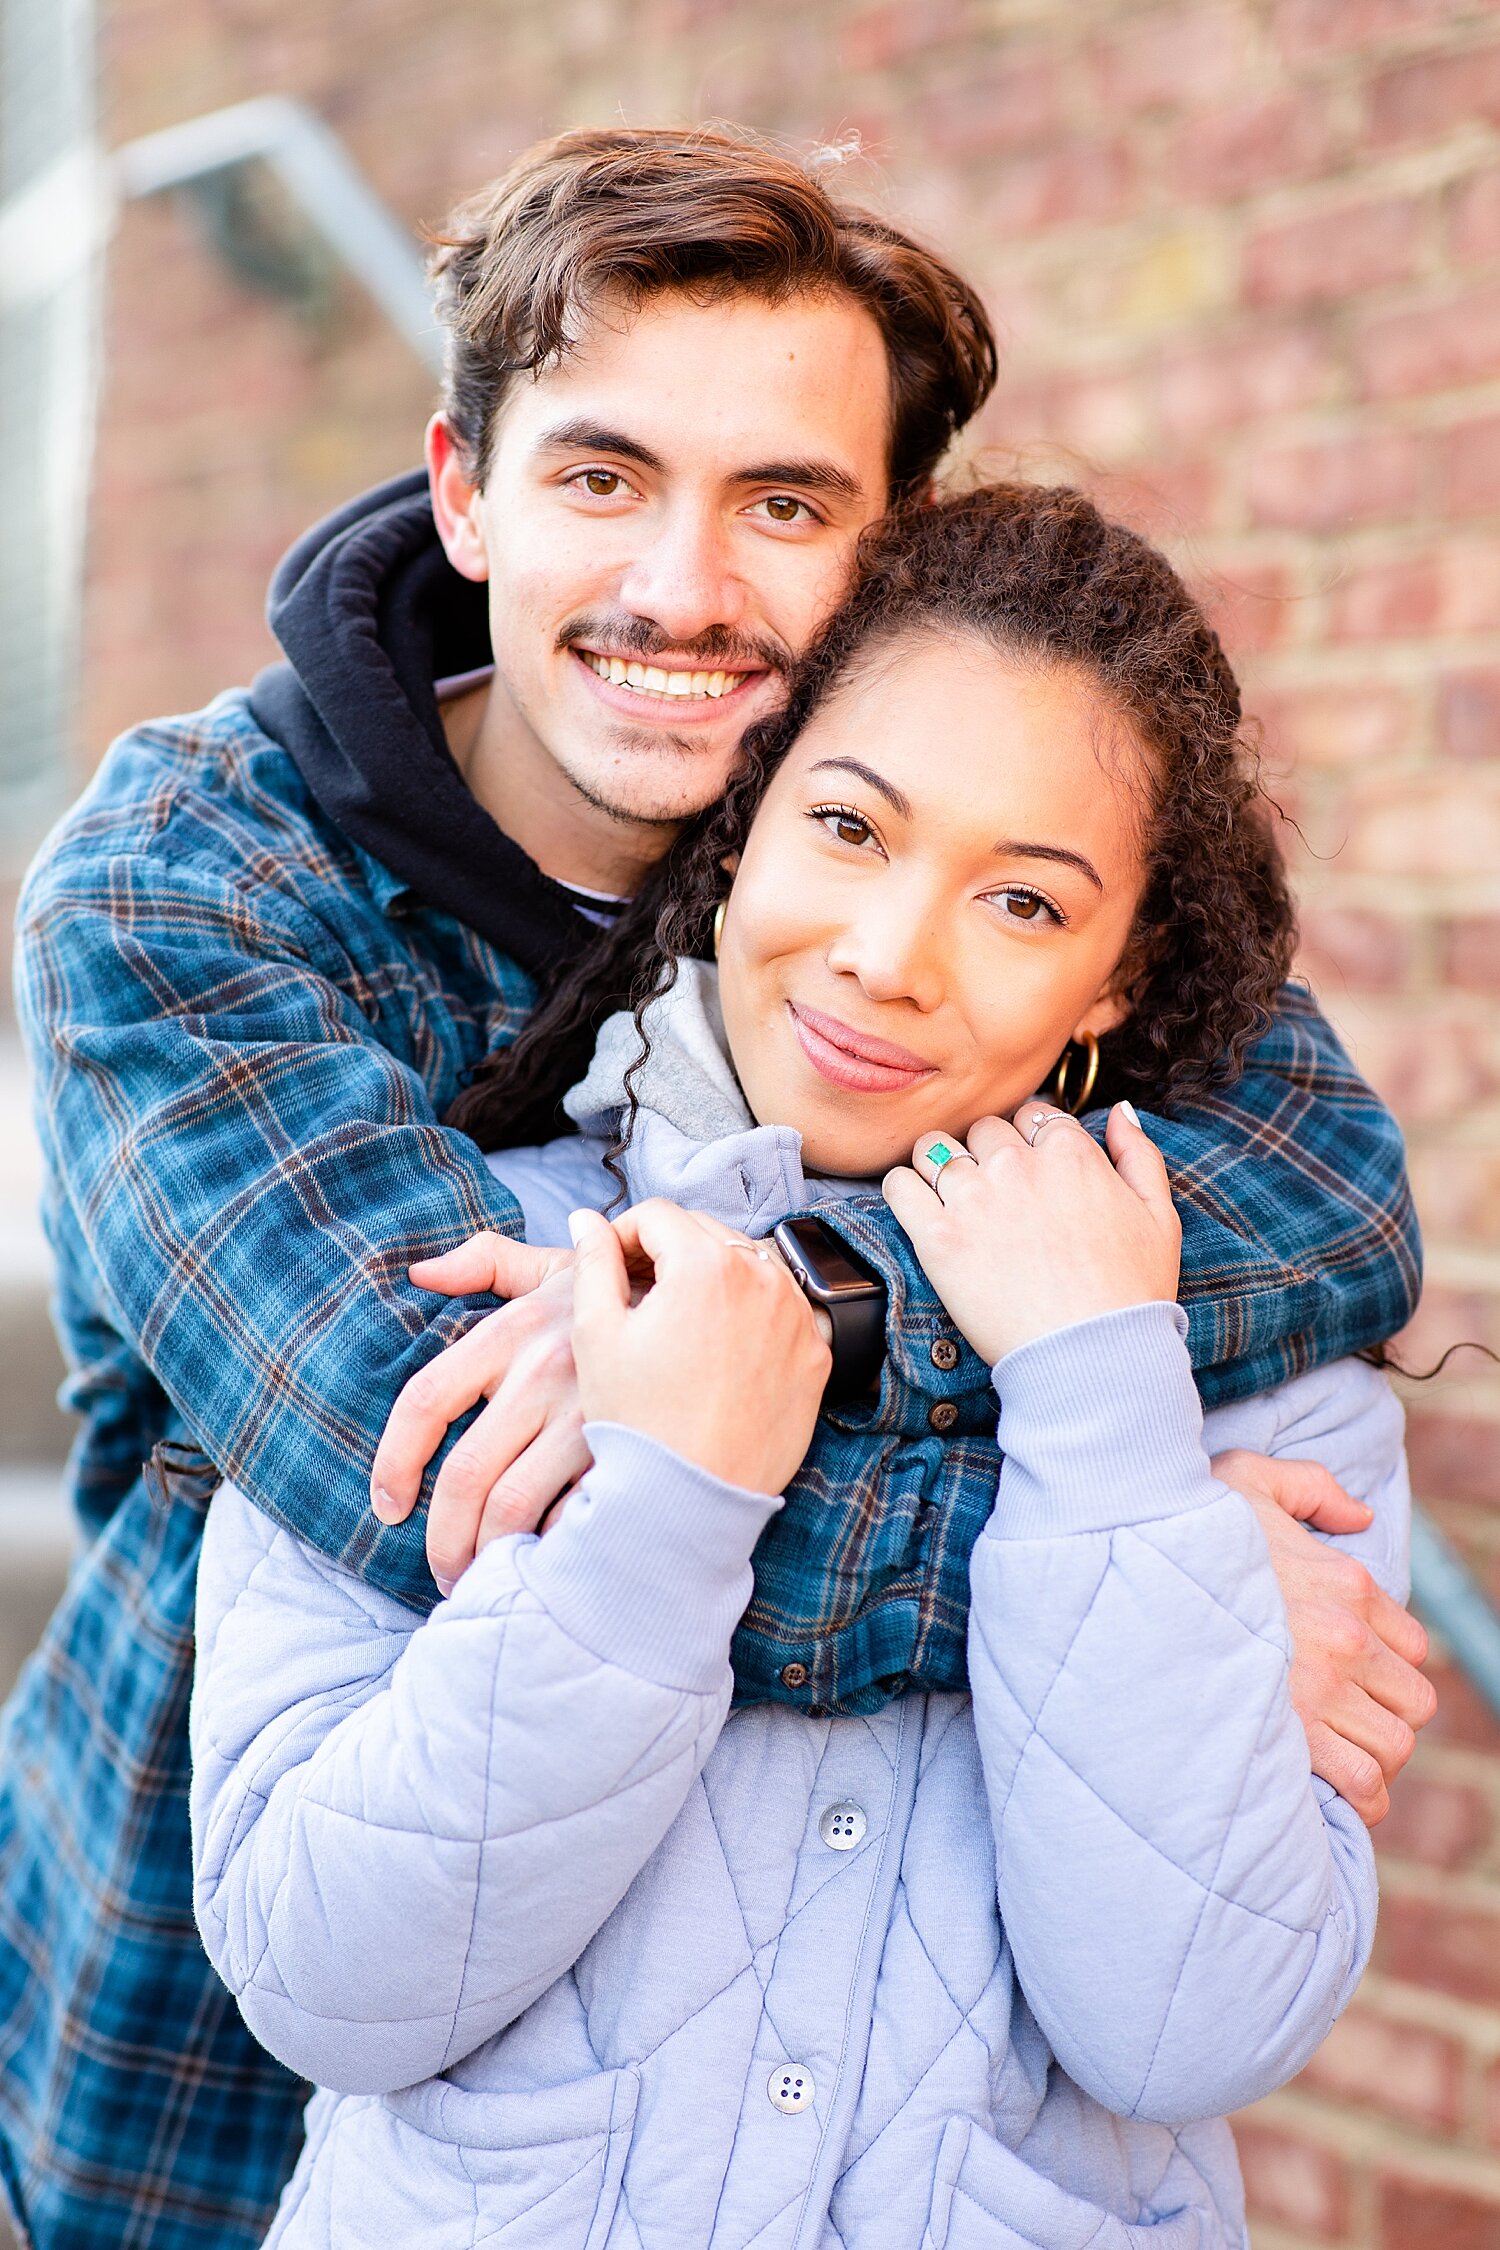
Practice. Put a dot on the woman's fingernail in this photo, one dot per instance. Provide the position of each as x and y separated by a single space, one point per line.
1128 1108
387 1509
444 1586
577 1221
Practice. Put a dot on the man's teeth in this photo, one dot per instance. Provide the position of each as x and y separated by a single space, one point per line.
650 679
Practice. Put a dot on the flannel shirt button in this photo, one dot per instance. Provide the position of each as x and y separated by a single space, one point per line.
790 2088
942 1416
944 1354
794 1675
843 1826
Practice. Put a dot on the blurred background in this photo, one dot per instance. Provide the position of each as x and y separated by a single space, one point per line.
1245 259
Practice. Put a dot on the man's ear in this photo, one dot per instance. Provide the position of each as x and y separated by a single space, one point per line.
455 502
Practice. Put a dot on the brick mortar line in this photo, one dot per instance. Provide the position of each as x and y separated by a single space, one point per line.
1379 2143
1421 2008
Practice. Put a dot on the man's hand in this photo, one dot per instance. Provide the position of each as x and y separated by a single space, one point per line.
526 1448
1354 1682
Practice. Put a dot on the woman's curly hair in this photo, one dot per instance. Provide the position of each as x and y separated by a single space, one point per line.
1039 574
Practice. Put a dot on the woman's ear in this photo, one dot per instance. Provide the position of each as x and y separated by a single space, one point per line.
731 864
1108 1012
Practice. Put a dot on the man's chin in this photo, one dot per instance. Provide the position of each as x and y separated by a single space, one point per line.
651 780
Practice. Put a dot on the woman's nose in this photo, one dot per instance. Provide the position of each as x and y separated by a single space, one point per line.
893 952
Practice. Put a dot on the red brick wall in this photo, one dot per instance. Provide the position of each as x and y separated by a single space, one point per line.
1247 261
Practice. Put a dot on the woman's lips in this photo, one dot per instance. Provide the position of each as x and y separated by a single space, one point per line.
854 1059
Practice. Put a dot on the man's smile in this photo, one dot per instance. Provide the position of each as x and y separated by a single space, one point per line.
672 684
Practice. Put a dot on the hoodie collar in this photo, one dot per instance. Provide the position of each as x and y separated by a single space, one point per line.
693 1138
370 613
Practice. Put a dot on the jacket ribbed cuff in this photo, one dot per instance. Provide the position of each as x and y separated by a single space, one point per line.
649 1567
1100 1425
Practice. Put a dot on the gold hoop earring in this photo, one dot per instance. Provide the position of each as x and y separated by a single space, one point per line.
719 913
1090 1046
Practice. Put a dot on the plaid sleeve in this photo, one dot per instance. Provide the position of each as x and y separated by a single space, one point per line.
252 1171
1299 1239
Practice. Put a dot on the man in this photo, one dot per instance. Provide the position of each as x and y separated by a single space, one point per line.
260 959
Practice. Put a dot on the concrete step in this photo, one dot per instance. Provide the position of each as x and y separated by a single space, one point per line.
32 1425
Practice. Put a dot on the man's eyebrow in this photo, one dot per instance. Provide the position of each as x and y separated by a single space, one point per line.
887 789
812 475
596 437
1012 850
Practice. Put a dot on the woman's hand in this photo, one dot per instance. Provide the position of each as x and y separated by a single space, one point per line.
720 1360
1023 1232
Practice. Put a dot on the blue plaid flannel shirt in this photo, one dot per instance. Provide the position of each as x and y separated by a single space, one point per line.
245 1032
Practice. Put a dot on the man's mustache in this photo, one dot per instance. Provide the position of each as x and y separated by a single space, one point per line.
715 649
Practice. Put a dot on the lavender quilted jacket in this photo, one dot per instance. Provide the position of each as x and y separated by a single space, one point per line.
579 1958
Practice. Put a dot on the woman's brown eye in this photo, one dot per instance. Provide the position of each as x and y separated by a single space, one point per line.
850 831
1024 908
602 483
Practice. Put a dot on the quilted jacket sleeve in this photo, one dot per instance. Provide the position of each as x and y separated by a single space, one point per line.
1188 1909
403 1833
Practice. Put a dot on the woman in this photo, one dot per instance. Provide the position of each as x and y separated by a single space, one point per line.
577 1962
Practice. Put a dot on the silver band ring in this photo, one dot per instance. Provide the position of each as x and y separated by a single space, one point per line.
1040 1119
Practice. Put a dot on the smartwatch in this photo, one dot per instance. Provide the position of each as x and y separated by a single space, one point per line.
839 1284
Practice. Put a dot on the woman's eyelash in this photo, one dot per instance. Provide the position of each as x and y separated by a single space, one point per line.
1036 899
844 813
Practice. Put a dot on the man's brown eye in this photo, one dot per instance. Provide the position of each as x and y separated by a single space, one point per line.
602 483
783 509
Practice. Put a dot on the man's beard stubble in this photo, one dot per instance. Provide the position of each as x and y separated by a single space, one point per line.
715 649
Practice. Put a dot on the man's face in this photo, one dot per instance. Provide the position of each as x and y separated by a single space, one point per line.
667 518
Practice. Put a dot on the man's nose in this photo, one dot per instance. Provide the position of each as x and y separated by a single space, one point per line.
683 577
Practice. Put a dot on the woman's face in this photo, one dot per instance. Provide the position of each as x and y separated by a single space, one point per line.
935 896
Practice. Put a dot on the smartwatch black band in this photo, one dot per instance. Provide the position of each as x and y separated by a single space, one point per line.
835 1279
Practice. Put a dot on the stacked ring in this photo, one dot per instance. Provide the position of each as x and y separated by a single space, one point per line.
1040 1119
938 1154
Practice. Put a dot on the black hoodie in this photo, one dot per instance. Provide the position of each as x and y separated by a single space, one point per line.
370 613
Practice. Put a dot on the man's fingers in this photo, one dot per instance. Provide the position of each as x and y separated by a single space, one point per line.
1303 1490
438 1394
1394 1681
1353 1773
1402 1633
489 1264
549 1467
487 1451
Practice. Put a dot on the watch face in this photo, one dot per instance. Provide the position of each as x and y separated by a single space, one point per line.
829 1264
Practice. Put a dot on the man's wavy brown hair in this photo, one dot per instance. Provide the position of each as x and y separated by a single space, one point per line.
619 215
1041 576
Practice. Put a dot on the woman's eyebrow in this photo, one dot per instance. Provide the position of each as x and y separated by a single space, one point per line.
1012 850
887 789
